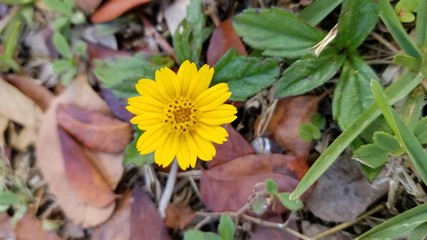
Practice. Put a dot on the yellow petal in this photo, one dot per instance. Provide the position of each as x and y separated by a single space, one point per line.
211 94
183 154
144 107
134 110
200 82
215 103
185 74
193 149
168 151
165 79
217 121
216 134
205 149
151 139
146 100
148 87
224 110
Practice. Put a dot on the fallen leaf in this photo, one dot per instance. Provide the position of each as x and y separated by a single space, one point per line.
342 193
260 232
236 146
174 13
113 9
4 122
178 215
99 52
117 106
146 223
289 114
118 226
311 229
51 161
38 93
30 228
227 187
88 183
95 130
223 38
6 228
88 6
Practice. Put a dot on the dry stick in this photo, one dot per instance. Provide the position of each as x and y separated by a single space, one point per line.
167 192
347 224
384 42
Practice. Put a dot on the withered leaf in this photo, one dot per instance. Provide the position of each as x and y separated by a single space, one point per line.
113 9
94 129
30 228
178 215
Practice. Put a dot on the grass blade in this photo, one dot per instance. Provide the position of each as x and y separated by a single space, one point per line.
318 10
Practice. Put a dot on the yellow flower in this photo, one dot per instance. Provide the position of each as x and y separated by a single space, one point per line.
181 115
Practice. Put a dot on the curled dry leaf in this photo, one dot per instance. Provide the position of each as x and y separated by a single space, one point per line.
95 130
178 215
88 6
236 146
227 187
30 228
88 183
289 114
113 9
223 38
51 160
38 93
146 223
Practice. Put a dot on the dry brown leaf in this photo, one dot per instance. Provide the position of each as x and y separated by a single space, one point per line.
4 122
88 6
96 51
236 146
223 38
260 232
289 114
178 215
22 110
51 161
92 128
146 223
30 228
118 226
227 187
113 9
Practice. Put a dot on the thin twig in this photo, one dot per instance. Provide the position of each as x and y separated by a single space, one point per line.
384 42
167 192
347 224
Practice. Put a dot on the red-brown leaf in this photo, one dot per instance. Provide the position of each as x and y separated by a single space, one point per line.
146 223
99 52
89 184
30 228
113 9
93 129
178 215
88 6
227 187
223 38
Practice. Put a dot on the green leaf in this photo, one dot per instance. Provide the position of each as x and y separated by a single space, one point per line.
198 235
397 90
292 205
133 157
277 32
421 23
68 76
412 109
371 155
120 74
409 62
271 186
388 16
308 73
245 76
62 65
59 6
226 228
387 142
308 132
259 205
13 2
420 129
356 21
318 120
398 225
60 22
419 232
371 173
314 13
188 37
10 198
27 13
352 94
11 37
404 135
61 45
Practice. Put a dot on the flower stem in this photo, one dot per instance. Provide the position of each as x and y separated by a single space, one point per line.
167 193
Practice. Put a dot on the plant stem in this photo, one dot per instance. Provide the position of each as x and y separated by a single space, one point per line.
167 193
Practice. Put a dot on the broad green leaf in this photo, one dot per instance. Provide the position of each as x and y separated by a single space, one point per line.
387 142
419 233
352 94
371 173
314 13
198 235
68 76
27 14
292 205
388 16
371 155
62 65
398 225
356 21
133 157
308 73
421 24
60 6
10 2
120 74
318 120
10 198
11 36
245 76
226 228
308 132
409 62
277 32
60 22
415 151
61 45
411 110
397 90
271 186
420 130
188 37
78 17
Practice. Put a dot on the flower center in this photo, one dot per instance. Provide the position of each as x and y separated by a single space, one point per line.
181 115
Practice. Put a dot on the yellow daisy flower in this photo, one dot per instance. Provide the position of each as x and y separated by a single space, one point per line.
181 115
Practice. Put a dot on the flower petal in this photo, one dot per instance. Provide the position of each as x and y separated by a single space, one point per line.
185 74
216 134
200 82
148 87
183 154
215 103
205 149
211 94
217 121
167 152
146 100
166 80
151 139
224 110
